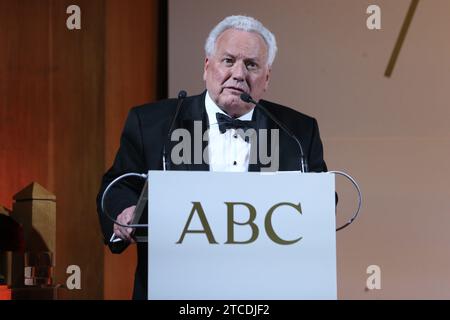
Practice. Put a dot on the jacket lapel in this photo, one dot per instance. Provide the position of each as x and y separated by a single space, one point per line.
285 149
262 125
193 118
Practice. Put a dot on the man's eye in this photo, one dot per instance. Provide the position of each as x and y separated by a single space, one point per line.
228 61
252 66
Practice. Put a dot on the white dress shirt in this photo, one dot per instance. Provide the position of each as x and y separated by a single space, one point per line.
227 151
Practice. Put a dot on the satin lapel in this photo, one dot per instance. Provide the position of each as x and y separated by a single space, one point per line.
262 122
286 149
196 129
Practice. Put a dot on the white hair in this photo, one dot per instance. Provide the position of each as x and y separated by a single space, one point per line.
243 23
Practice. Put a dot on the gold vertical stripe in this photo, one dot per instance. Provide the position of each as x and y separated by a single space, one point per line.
401 38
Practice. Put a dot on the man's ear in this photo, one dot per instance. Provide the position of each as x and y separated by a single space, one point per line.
266 86
205 68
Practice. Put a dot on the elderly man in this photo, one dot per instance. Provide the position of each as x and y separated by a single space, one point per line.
239 55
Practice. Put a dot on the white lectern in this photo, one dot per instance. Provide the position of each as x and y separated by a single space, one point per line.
241 235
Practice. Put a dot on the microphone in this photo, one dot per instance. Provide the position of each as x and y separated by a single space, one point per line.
181 95
303 162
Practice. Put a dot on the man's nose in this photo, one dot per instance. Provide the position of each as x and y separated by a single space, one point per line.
239 71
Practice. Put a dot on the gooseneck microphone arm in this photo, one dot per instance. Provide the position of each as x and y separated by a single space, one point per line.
181 95
303 162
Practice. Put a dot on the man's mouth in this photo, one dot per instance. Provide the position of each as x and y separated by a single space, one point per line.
236 89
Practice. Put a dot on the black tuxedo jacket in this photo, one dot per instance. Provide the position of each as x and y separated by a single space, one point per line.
141 149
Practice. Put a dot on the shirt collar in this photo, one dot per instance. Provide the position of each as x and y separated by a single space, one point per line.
212 109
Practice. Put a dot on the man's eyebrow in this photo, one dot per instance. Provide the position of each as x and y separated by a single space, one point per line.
255 59
226 53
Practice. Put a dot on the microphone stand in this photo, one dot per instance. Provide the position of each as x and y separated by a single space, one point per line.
181 95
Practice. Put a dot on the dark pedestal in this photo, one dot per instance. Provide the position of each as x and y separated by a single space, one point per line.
36 293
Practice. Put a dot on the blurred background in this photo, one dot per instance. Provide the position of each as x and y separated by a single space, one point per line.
65 94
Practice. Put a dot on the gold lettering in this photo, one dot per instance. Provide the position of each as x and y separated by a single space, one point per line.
197 207
231 223
269 227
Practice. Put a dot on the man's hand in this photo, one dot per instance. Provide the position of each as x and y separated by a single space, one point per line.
125 217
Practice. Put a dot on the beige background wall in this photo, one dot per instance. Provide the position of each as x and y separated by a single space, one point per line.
391 134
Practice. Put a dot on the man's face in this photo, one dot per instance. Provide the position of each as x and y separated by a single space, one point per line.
239 64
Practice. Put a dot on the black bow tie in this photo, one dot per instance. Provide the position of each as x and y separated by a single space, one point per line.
225 122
